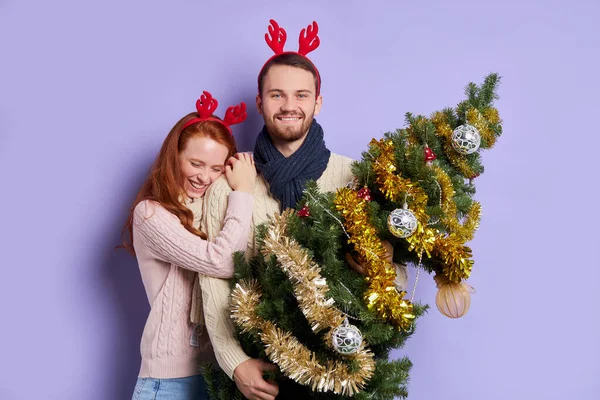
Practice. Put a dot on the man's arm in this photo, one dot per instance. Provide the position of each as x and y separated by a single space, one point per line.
246 372
215 292
215 303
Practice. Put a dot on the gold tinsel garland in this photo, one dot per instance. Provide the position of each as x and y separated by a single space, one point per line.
310 288
394 186
464 232
492 115
475 118
295 360
456 257
450 248
381 295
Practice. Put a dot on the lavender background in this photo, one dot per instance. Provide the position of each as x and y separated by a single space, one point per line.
88 90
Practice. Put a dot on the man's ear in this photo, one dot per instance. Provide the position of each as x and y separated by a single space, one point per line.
318 104
259 104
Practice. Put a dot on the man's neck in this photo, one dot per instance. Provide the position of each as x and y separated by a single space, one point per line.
289 148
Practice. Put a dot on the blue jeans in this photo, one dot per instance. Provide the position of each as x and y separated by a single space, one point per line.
190 388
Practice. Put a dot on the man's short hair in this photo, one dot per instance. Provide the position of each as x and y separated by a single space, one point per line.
293 60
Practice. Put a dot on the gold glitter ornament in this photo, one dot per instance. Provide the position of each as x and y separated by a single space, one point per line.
452 299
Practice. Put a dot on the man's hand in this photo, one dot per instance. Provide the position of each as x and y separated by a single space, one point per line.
248 377
389 250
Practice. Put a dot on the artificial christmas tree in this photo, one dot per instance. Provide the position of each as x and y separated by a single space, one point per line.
329 328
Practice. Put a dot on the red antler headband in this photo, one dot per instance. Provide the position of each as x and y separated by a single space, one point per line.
206 106
308 41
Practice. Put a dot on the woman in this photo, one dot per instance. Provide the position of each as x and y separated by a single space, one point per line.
170 248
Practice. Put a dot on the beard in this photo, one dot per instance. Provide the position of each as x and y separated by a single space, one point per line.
284 133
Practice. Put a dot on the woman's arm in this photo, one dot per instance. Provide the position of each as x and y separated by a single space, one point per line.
165 237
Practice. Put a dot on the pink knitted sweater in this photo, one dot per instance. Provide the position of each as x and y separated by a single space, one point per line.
169 256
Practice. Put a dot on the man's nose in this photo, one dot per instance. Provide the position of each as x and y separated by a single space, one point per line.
289 104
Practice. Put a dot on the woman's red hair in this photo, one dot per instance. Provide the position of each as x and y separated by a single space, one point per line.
164 184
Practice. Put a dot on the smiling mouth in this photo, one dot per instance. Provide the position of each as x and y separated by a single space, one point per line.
289 119
197 186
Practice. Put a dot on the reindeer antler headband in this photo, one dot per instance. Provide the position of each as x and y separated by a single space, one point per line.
308 41
206 106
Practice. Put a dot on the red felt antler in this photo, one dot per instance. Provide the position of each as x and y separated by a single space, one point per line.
235 115
309 40
206 105
276 37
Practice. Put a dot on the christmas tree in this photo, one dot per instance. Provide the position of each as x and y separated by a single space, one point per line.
329 328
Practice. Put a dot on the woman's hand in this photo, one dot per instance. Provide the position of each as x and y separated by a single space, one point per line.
241 172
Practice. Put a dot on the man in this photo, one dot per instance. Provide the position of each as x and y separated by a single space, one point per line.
289 151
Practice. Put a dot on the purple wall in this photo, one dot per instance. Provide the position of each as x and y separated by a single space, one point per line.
89 89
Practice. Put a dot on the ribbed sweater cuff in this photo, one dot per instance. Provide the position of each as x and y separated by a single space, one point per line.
231 358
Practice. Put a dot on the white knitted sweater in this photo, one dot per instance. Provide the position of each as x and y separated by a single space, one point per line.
215 291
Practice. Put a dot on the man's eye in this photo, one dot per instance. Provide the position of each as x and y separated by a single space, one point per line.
276 96
216 170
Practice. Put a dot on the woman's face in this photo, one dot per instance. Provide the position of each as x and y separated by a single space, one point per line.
202 161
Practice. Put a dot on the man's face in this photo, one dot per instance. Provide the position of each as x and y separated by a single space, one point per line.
288 102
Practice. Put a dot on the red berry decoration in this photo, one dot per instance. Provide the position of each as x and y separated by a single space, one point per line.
304 212
365 194
472 178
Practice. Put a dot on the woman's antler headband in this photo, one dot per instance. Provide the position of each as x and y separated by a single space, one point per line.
206 106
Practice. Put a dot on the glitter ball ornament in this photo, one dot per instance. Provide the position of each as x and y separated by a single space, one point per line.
304 212
466 139
364 194
346 338
402 222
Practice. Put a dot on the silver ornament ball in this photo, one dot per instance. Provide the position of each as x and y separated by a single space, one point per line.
346 339
466 139
402 222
